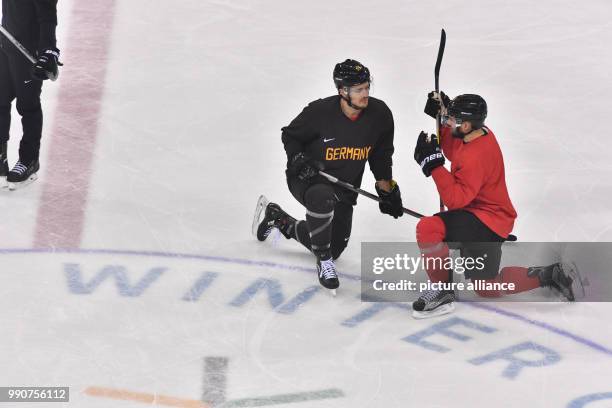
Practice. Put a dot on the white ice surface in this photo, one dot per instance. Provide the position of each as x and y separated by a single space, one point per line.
189 136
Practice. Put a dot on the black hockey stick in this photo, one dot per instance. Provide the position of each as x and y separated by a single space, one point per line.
377 198
363 192
18 45
437 68
22 49
437 84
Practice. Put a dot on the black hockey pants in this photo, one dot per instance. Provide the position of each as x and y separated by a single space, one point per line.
328 220
16 82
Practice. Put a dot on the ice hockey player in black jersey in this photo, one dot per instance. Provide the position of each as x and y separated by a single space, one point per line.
32 23
337 134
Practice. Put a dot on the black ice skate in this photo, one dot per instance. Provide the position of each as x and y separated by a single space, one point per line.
326 269
273 217
3 166
433 303
563 277
21 175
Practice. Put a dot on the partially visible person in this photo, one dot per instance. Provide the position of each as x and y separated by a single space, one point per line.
33 24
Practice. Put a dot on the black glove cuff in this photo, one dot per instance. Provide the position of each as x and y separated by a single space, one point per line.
431 162
50 52
383 193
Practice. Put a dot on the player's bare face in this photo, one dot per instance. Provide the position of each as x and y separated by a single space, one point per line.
359 95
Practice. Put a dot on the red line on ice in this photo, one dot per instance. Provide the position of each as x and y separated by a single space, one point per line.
72 140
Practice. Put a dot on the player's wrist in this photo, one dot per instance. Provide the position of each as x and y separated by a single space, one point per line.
385 185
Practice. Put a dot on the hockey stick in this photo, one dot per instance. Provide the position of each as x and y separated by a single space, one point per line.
21 48
377 198
437 83
363 192
18 45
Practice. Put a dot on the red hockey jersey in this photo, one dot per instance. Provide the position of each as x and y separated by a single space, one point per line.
477 181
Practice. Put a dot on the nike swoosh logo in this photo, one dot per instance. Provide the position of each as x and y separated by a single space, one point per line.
27 82
328 140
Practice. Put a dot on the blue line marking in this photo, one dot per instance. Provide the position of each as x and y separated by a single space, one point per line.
482 306
587 399
162 254
543 325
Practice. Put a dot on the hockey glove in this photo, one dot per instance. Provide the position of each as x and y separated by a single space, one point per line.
46 65
303 167
427 153
391 201
432 107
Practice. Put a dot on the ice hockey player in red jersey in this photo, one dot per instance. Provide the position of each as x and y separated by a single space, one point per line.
339 134
480 213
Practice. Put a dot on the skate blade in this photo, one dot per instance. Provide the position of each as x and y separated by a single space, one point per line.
439 311
275 236
22 184
578 282
260 207
333 292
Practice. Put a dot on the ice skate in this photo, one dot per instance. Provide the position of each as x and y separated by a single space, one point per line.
22 175
564 277
567 280
328 277
260 209
433 303
4 169
269 216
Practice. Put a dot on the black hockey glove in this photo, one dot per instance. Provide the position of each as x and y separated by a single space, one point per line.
303 167
427 153
46 65
391 201
432 107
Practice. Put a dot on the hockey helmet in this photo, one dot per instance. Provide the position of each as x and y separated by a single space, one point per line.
468 107
350 73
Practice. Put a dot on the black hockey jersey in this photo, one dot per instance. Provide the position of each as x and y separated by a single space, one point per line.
343 145
31 22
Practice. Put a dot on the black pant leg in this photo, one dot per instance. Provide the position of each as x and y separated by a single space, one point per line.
7 94
475 240
320 204
341 228
341 223
27 92
463 226
301 232
298 187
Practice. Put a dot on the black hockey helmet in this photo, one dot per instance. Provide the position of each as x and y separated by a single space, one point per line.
469 107
349 73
